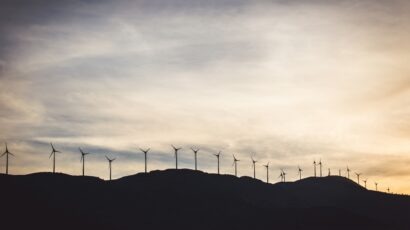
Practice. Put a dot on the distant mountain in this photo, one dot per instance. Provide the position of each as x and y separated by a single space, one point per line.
186 199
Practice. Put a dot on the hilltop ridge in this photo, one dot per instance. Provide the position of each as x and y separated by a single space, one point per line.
187 199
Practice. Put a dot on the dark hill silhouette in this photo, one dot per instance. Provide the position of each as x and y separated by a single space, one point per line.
186 199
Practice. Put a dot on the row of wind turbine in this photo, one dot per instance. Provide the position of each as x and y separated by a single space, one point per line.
282 175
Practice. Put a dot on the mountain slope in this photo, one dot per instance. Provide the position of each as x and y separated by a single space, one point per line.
186 199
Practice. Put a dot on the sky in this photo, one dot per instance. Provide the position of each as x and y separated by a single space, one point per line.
287 82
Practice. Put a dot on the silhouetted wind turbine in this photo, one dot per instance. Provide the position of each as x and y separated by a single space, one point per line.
7 153
176 155
254 167
284 175
320 166
375 183
267 172
83 154
145 152
328 174
348 172
300 173
235 162
281 176
53 153
388 190
358 177
217 157
109 163
365 183
195 154
340 172
314 166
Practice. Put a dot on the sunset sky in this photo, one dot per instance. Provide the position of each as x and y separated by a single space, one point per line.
290 81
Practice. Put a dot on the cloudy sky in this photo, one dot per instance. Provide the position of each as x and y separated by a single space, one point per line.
288 81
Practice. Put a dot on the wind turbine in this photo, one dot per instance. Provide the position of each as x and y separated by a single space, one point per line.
328 174
83 154
348 172
375 184
195 154
388 190
365 183
176 155
7 153
267 172
340 172
320 167
235 162
254 167
314 165
300 173
145 152
109 163
281 176
53 153
217 156
358 177
284 175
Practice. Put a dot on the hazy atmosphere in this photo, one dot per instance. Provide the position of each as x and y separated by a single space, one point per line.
287 81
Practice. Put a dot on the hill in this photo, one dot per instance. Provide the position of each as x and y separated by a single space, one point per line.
186 199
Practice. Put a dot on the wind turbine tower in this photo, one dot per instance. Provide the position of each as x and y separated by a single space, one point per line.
109 164
53 153
235 162
365 183
176 155
284 175
314 167
217 157
358 177
7 153
267 172
300 173
83 154
145 152
348 172
254 167
195 155
320 167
